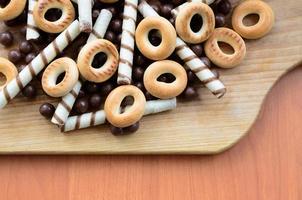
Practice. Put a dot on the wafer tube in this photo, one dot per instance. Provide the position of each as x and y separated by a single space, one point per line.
38 63
176 10
85 15
196 65
191 60
99 117
31 28
64 107
101 25
127 43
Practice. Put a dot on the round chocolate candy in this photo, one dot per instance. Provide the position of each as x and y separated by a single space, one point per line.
81 105
6 38
25 47
14 56
47 110
95 101
29 91
220 20
29 57
131 129
224 7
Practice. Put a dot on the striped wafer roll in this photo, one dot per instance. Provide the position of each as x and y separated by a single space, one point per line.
99 117
64 107
127 42
199 68
101 25
176 10
84 121
38 63
31 28
191 60
85 15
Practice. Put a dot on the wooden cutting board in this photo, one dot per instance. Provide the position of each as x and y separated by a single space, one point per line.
203 126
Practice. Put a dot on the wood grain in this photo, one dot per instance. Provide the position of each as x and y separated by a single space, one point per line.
264 165
205 126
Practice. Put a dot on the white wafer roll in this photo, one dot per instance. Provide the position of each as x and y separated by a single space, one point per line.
176 10
64 107
99 117
191 60
196 65
31 28
127 42
101 25
38 63
85 15
146 10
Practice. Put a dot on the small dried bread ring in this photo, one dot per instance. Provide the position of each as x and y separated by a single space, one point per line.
168 38
131 115
262 27
217 56
8 69
42 6
184 18
87 54
164 90
12 10
52 73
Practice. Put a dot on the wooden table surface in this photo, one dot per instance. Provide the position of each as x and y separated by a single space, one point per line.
266 164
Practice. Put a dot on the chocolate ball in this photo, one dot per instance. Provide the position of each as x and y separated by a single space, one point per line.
149 96
215 72
140 85
131 129
116 25
81 94
29 57
197 49
81 105
140 60
23 31
206 61
116 130
29 91
190 93
106 89
47 110
166 10
138 73
220 20
95 101
14 56
25 47
6 38
21 67
110 36
224 7
91 87
192 78
95 14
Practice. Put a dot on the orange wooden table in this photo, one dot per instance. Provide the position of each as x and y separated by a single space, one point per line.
266 164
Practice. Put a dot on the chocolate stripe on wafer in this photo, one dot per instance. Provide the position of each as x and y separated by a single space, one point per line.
31 30
190 58
64 107
97 118
101 25
127 42
38 63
